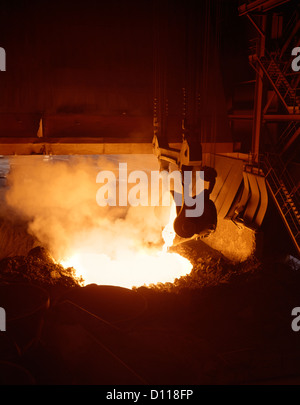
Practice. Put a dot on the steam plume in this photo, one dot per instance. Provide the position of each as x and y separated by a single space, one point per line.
58 200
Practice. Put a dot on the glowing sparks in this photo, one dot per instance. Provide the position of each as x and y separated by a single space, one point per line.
132 269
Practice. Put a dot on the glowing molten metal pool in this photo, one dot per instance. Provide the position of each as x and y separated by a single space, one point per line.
132 268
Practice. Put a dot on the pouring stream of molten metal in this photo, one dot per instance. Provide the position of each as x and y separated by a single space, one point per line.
132 268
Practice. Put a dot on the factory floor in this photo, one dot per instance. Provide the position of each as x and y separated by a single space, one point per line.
234 331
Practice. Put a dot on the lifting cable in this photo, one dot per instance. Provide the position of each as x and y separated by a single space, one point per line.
160 41
199 112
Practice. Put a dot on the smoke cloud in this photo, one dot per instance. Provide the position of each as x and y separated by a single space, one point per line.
57 199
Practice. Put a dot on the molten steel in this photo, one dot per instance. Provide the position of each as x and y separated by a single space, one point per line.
132 268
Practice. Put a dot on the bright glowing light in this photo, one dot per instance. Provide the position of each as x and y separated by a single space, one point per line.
168 232
132 269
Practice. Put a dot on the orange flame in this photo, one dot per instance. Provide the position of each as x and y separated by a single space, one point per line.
132 268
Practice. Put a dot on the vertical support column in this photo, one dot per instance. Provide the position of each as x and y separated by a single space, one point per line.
257 121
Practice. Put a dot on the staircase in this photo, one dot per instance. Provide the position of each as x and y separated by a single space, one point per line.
290 38
275 68
288 95
285 194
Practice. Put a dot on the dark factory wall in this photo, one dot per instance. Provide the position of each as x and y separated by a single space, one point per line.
77 56
97 58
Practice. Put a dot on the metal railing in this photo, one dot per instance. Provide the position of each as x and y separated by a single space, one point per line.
289 95
285 194
287 135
